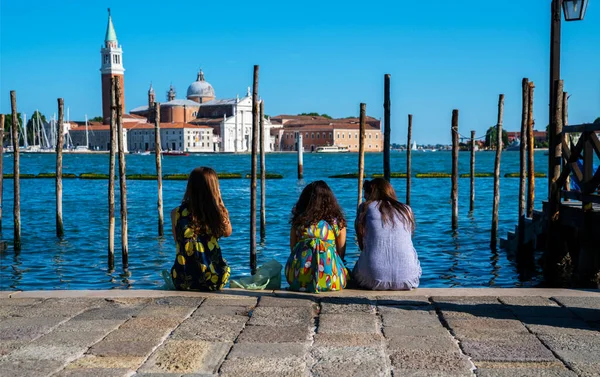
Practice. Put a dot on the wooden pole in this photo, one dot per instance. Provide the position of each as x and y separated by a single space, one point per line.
408 160
472 196
523 146
157 155
300 146
494 237
16 177
523 163
361 151
255 125
111 178
1 166
555 148
387 128
122 177
530 156
263 173
59 156
565 119
454 191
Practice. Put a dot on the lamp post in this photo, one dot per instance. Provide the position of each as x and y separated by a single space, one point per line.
574 10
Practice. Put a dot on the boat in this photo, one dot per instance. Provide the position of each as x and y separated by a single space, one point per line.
175 153
413 147
332 149
515 145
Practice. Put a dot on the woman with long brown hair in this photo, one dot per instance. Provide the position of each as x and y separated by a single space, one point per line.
197 225
384 227
317 242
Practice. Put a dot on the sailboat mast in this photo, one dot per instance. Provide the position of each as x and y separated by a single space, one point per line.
24 130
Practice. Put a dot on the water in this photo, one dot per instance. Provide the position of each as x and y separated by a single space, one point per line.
448 259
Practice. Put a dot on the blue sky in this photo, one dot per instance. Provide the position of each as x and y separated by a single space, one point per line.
314 56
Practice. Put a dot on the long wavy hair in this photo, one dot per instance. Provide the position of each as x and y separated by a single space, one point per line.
381 191
317 202
203 198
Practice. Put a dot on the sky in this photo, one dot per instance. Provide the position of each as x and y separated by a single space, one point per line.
314 56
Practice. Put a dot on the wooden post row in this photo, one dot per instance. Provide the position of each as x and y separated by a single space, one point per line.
16 177
255 121
122 176
157 155
454 190
263 172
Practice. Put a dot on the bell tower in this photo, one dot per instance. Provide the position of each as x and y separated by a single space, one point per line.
112 66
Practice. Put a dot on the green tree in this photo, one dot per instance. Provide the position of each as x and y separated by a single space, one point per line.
597 120
35 118
315 115
490 137
8 126
97 119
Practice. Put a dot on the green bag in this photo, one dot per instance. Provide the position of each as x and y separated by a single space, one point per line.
268 276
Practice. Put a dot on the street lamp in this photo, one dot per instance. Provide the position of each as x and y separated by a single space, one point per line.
574 10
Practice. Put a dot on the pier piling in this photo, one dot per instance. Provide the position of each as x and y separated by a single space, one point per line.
59 157
1 166
16 177
361 151
255 125
122 177
494 236
409 159
263 173
111 179
300 147
454 190
523 161
157 155
387 128
565 119
530 156
472 176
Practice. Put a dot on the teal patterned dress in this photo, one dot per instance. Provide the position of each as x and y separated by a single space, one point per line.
199 264
314 264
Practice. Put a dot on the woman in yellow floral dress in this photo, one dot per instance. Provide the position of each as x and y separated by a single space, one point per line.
197 225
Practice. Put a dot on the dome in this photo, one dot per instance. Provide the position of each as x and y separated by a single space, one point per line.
200 88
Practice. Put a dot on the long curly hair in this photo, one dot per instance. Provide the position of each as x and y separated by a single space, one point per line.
381 191
317 202
203 197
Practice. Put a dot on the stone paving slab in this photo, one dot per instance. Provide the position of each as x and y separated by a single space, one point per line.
426 332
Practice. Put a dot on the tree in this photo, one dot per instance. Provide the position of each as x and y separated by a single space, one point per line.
35 118
490 137
315 115
8 125
97 119
597 121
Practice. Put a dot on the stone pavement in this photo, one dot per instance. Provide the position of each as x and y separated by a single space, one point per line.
427 332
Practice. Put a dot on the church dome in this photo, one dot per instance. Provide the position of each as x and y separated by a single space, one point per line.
200 88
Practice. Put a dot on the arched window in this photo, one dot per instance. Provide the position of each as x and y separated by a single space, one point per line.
318 135
312 135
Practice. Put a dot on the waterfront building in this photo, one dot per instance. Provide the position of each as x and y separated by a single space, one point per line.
320 131
112 66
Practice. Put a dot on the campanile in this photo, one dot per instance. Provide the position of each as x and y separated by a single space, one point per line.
112 66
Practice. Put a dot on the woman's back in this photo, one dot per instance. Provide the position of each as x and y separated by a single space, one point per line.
388 260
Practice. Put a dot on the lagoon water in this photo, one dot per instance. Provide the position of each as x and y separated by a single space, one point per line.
448 259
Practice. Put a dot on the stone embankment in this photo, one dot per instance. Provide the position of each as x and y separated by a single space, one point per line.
427 332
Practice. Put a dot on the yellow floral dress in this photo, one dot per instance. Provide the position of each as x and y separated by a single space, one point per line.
199 264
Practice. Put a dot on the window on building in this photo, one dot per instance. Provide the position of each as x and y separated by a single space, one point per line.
318 135
376 136
188 143
338 135
312 135
369 136
369 145
106 59
306 135
349 135
330 135
356 135
342 136
324 135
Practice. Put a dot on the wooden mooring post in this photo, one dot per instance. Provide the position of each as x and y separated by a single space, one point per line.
523 161
530 155
157 155
361 151
263 173
494 236
472 176
300 147
122 176
408 159
255 125
565 121
111 178
1 166
386 128
59 157
16 177
454 190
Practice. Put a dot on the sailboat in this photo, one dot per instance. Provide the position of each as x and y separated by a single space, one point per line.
413 146
86 147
